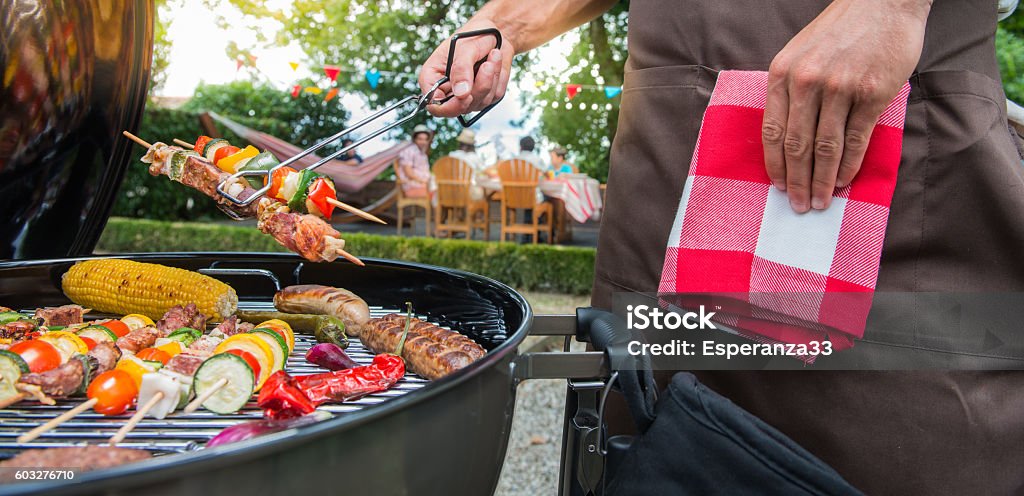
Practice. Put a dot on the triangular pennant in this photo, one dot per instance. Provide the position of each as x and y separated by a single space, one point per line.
373 77
572 90
332 72
612 91
313 89
295 90
331 93
252 58
238 64
295 65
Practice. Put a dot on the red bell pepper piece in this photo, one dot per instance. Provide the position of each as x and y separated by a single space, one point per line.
319 192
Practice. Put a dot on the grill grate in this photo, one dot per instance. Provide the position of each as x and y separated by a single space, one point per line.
178 432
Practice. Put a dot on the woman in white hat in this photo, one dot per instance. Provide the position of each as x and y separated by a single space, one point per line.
414 164
467 153
467 150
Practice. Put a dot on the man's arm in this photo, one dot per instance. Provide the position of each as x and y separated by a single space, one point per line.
524 25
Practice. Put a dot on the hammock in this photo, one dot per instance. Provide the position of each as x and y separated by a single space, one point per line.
347 178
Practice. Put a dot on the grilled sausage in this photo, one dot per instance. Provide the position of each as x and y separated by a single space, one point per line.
430 351
325 300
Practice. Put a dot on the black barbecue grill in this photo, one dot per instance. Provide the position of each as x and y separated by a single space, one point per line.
61 161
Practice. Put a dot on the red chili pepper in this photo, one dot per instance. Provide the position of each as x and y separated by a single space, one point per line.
201 143
319 192
284 396
349 384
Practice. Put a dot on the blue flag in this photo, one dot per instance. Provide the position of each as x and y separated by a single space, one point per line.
612 91
373 77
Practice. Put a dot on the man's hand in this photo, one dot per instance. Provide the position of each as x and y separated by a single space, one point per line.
827 88
472 91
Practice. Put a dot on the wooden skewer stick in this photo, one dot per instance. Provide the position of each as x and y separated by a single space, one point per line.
184 143
136 139
196 403
64 417
139 415
350 257
349 208
36 393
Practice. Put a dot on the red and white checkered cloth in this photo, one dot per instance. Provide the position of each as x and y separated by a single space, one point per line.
779 276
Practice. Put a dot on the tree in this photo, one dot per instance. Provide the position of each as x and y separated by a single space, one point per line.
1010 52
393 37
586 124
301 121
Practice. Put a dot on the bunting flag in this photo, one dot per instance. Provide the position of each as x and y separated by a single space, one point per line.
238 64
295 65
332 72
612 91
572 90
333 92
295 90
313 89
373 77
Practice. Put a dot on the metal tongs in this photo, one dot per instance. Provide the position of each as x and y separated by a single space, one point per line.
422 101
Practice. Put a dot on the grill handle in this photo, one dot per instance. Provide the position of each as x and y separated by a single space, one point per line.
213 271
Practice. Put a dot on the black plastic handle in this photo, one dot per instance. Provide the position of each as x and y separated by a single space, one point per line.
451 58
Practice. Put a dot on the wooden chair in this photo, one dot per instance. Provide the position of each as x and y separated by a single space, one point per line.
456 210
519 180
402 202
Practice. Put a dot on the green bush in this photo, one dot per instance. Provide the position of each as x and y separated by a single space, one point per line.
527 267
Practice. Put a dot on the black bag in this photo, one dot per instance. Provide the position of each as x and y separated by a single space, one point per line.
701 443
695 441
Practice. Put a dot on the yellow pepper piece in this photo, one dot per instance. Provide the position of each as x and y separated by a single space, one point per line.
137 321
252 344
227 164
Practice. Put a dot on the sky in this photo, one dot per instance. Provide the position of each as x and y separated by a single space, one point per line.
194 35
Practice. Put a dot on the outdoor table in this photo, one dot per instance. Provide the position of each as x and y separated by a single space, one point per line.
580 194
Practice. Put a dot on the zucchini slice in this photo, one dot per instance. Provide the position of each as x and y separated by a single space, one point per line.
11 366
231 397
277 345
98 334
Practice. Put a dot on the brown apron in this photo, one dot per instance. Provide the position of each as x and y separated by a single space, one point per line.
957 224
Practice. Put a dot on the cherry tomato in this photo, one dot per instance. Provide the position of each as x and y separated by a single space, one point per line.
114 390
39 355
117 327
224 151
154 354
201 143
250 359
89 342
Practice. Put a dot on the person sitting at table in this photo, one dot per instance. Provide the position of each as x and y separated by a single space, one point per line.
414 164
558 163
527 152
467 150
467 153
350 157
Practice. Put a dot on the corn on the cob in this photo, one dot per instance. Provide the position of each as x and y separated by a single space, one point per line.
123 286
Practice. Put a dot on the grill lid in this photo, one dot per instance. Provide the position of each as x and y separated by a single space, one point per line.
74 75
